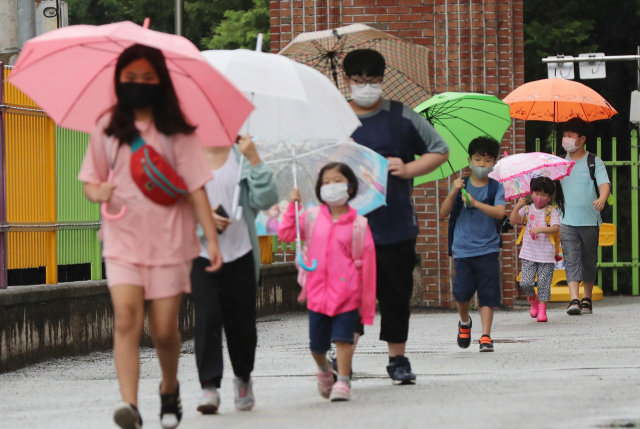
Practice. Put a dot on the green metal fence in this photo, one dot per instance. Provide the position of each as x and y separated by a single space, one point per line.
78 218
613 167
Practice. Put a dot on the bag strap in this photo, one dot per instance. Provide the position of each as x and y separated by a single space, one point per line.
591 163
547 215
357 240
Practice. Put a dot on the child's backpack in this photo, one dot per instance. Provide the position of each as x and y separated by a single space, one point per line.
555 239
152 173
357 245
458 204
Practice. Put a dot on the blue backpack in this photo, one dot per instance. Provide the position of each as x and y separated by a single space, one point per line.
458 205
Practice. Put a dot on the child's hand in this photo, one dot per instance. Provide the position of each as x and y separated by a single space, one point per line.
215 257
222 223
104 192
458 184
295 195
536 231
248 149
472 200
521 203
598 204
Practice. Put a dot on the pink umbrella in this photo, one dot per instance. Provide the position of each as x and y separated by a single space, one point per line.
515 172
69 73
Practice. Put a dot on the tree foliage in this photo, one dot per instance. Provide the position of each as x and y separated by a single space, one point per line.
200 17
240 29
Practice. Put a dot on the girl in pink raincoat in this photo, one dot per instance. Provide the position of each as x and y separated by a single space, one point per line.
340 290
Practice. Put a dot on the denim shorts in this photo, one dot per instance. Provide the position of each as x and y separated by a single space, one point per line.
324 330
479 274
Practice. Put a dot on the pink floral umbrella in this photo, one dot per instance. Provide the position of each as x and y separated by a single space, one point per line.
515 172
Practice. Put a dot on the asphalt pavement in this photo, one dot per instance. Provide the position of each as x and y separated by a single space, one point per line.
572 372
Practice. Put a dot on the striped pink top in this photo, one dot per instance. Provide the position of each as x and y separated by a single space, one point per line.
541 249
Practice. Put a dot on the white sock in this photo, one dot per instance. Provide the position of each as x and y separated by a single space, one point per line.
465 323
344 380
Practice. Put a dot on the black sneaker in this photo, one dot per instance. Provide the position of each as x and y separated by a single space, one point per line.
464 334
486 344
171 409
402 372
127 416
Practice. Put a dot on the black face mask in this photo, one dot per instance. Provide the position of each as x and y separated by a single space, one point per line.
139 95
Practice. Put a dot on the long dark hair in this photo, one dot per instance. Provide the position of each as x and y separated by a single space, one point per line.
167 115
346 171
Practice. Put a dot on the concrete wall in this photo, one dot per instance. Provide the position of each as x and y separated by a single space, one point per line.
44 322
8 31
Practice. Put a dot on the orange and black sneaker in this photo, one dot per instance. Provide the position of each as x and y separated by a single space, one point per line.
464 334
486 344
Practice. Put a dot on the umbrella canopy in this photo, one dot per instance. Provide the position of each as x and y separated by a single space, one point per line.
459 118
407 73
69 73
310 156
293 101
515 172
558 100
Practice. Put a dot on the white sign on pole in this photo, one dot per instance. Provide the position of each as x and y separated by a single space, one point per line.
593 69
634 114
561 70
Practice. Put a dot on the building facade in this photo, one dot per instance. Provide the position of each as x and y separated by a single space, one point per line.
475 46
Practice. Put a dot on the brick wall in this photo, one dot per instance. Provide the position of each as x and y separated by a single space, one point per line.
475 45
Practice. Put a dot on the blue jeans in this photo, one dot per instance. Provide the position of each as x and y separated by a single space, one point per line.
324 330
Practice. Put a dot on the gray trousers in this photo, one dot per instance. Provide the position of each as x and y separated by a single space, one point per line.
580 249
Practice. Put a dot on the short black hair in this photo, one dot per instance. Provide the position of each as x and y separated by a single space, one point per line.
364 62
346 171
543 184
576 125
484 146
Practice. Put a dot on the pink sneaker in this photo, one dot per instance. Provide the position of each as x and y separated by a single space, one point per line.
340 392
534 305
325 383
542 312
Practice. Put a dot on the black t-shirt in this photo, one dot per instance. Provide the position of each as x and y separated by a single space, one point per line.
397 221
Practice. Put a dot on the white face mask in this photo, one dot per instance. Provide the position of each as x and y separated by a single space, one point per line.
569 144
335 194
366 96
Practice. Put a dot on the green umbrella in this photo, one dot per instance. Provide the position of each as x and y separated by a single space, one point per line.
460 117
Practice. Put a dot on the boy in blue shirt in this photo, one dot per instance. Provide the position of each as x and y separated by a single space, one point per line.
586 191
399 134
475 245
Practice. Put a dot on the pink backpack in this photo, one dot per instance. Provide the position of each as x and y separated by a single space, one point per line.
357 245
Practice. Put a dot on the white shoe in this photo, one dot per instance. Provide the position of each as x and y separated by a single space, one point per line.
244 400
127 416
209 401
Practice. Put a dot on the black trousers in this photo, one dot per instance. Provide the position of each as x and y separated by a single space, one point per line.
394 264
227 297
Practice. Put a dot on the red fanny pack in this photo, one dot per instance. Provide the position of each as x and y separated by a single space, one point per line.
155 177
153 174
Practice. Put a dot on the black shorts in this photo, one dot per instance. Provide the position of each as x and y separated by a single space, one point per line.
395 264
324 330
479 274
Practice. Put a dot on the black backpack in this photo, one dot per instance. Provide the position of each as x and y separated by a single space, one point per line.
458 204
591 163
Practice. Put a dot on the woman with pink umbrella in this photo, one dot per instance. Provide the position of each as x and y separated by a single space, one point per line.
143 95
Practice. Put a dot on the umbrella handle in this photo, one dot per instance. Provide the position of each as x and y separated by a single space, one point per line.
305 267
466 196
103 208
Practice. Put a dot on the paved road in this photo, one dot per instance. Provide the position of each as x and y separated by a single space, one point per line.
576 372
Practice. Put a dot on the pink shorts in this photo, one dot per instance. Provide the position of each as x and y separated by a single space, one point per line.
158 282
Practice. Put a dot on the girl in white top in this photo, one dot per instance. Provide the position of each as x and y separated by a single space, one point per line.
538 251
228 297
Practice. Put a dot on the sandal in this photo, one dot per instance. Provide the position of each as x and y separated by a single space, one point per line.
574 308
586 306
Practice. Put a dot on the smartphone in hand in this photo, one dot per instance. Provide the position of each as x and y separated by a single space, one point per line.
220 211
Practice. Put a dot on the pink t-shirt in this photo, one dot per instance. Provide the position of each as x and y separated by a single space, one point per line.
149 234
540 250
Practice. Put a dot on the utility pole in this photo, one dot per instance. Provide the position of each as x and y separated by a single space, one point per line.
26 21
178 17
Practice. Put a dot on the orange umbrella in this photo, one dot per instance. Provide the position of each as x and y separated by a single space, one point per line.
558 100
